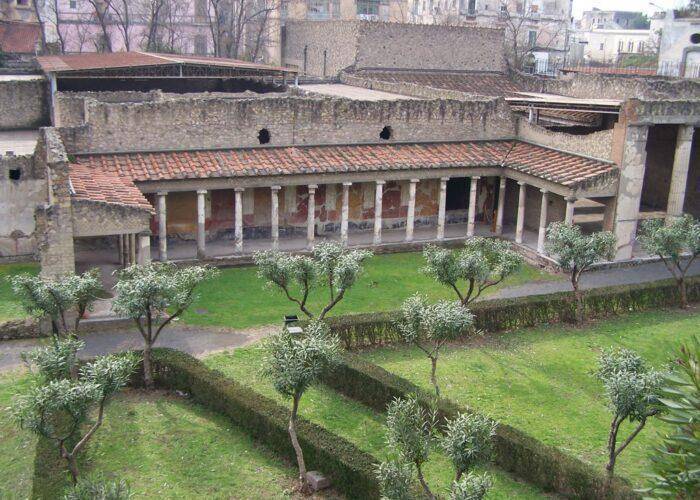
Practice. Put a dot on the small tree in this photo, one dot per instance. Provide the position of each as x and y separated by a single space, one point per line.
56 361
59 408
676 464
55 298
481 264
430 326
631 388
411 435
154 295
294 363
670 242
577 252
331 265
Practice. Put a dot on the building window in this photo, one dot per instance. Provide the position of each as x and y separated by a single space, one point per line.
200 45
640 46
73 4
630 46
531 38
620 46
15 174
602 46
367 8
695 38
23 2
200 11
317 9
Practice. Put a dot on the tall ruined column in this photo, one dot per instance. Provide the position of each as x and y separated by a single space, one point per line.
442 201
274 217
520 221
201 224
238 219
569 217
344 213
471 217
411 215
501 205
679 176
629 193
132 249
144 248
543 221
311 216
120 248
378 212
162 227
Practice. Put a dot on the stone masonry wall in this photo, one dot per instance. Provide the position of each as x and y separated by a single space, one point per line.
23 104
337 38
596 144
104 219
405 88
421 46
221 123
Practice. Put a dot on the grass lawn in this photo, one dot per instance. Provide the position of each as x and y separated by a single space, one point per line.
540 379
351 420
10 308
238 298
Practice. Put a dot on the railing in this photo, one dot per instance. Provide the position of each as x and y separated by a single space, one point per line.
676 69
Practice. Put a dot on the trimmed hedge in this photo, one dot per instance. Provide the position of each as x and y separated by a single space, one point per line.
516 452
364 330
350 469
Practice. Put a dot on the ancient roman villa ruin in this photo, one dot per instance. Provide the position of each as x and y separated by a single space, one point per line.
373 134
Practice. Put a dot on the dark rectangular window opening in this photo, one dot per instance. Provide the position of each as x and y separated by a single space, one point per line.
15 174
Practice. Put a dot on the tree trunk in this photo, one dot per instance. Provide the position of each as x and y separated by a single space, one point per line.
433 378
72 463
612 443
683 292
147 369
578 297
295 443
424 484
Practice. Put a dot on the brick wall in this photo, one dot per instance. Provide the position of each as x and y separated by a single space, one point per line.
596 144
23 104
220 123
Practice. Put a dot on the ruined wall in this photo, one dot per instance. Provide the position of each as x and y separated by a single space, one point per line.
18 200
611 86
23 103
596 144
420 46
405 88
220 123
337 39
104 219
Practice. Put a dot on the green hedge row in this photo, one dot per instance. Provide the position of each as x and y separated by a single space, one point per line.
363 330
350 469
516 452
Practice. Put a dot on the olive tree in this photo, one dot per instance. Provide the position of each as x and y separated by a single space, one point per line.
430 326
293 363
59 408
154 295
55 298
577 252
480 264
411 436
676 464
631 389
330 265
676 243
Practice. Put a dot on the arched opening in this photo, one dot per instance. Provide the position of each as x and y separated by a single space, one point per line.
386 133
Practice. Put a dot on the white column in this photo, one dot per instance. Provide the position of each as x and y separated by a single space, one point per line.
132 249
471 217
274 217
162 227
543 221
441 208
569 217
378 212
679 176
501 205
311 216
520 221
144 248
344 213
411 215
238 219
120 244
201 223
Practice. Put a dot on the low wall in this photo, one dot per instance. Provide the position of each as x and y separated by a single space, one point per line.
23 103
596 144
410 89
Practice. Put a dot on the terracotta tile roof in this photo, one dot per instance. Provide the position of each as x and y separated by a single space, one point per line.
110 177
19 37
609 71
105 186
94 61
487 84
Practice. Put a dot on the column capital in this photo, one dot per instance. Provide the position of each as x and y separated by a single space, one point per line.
685 132
380 183
475 177
275 188
147 232
162 193
444 179
239 189
522 183
571 199
348 184
201 191
415 181
543 191
313 187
